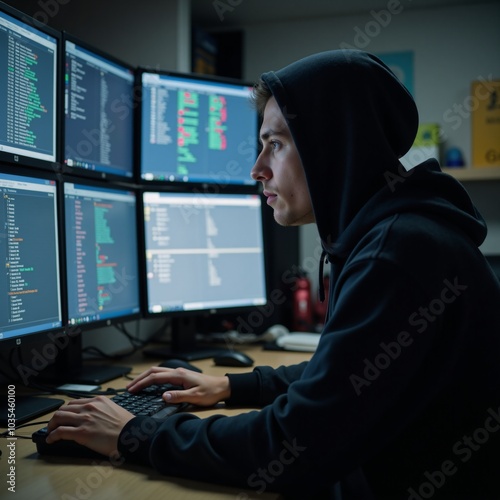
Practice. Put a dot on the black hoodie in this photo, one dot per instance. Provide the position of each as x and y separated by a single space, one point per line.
402 397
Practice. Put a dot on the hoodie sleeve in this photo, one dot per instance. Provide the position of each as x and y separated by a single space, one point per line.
261 387
330 420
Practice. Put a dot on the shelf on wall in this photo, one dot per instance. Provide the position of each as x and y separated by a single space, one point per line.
474 173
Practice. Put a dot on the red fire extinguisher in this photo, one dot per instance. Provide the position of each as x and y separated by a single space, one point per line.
302 304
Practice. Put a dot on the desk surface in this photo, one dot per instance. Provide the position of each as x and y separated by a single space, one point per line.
47 478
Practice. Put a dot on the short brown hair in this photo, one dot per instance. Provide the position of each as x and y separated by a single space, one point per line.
260 95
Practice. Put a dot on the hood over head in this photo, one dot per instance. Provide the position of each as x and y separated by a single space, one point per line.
351 120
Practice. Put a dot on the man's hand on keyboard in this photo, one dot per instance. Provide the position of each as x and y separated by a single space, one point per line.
95 423
199 389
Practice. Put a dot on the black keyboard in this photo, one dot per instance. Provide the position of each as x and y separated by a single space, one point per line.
148 402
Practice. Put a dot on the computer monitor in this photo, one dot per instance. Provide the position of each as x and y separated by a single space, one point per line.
204 254
98 134
29 63
31 314
101 261
196 129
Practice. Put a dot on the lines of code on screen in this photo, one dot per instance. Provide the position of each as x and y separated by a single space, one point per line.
101 250
197 131
27 91
29 255
98 113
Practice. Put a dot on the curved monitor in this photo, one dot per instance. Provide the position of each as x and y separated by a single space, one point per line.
196 129
204 254
29 63
98 132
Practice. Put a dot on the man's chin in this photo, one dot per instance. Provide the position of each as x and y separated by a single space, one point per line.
285 221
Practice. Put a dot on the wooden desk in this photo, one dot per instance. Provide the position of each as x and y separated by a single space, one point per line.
49 478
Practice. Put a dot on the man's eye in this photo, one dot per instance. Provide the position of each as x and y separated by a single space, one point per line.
274 145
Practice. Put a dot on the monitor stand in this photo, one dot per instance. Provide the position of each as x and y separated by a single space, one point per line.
70 367
184 343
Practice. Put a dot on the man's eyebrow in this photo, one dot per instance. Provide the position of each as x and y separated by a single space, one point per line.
270 132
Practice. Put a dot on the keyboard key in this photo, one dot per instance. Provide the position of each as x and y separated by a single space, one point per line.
148 402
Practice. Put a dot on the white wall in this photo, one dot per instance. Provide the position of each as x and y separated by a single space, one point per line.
152 33
452 47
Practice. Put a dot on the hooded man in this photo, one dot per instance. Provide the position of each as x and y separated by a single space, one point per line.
401 398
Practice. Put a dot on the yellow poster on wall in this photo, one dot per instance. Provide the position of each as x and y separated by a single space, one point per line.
485 105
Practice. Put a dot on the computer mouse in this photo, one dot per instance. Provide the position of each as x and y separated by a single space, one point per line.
179 363
62 447
233 358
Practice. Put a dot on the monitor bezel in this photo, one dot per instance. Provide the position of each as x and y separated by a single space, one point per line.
251 187
79 171
115 320
21 160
